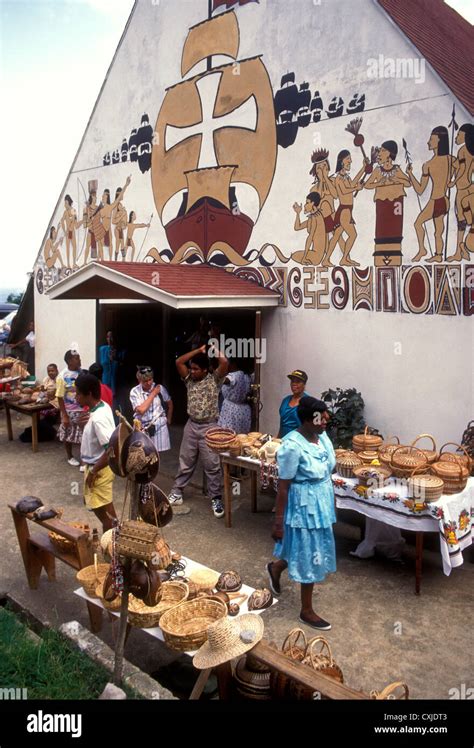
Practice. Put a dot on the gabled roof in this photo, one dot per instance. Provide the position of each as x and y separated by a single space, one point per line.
178 286
443 37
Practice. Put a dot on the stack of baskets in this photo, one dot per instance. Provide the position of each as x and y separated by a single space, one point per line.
453 474
364 441
185 626
220 439
346 462
144 617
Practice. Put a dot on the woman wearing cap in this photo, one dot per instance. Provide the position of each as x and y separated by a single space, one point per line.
289 405
305 511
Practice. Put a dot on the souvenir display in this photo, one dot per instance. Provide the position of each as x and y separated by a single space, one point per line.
260 599
366 441
91 576
406 461
153 505
229 581
373 476
425 488
219 439
430 454
461 455
204 579
453 474
186 625
228 639
346 462
136 539
368 456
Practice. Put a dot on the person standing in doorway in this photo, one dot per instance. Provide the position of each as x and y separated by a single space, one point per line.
73 415
203 394
153 407
108 359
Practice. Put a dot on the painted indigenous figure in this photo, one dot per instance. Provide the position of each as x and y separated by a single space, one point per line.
106 212
316 242
324 185
468 211
343 220
439 170
389 182
131 226
51 249
69 225
119 220
90 209
462 180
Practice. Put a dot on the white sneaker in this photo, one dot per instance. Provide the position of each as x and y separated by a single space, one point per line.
82 469
175 499
73 462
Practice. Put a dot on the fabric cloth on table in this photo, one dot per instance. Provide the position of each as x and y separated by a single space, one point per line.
308 539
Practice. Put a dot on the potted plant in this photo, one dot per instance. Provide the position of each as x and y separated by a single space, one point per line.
346 408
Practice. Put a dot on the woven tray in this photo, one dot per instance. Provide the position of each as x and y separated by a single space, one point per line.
185 626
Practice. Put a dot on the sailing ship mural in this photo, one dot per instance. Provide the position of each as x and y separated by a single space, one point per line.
136 148
215 147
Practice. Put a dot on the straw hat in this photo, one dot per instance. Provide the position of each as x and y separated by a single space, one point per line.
227 639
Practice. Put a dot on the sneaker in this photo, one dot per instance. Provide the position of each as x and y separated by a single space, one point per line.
320 624
217 507
175 499
274 585
82 469
73 462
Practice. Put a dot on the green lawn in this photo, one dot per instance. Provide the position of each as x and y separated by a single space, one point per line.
54 669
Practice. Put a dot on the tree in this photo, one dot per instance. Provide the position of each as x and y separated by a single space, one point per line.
15 298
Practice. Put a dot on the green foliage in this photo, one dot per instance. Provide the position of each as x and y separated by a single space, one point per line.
346 408
54 669
15 298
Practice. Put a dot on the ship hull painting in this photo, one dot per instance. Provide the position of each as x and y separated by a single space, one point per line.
211 136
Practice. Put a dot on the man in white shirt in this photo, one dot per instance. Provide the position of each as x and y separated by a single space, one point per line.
98 477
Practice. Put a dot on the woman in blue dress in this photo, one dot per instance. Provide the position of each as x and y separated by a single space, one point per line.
289 405
305 510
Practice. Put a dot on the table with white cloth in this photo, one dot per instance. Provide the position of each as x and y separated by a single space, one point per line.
389 510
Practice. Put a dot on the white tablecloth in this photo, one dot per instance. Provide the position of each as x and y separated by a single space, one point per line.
452 516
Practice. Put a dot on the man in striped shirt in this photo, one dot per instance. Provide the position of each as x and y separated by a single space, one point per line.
153 407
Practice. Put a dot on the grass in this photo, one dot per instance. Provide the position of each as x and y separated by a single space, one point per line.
52 669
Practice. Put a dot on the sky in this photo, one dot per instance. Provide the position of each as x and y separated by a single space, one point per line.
54 56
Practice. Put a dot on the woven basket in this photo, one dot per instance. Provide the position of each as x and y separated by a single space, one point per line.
90 576
144 617
426 487
463 459
346 462
220 439
386 450
373 475
185 626
366 441
293 647
63 544
162 555
407 461
235 448
204 579
453 474
322 661
108 604
137 539
430 454
368 456
390 692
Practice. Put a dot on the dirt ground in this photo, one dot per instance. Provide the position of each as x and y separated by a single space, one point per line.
381 631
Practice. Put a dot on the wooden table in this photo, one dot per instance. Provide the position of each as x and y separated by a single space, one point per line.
27 410
244 462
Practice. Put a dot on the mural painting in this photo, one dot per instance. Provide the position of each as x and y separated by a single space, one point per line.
210 164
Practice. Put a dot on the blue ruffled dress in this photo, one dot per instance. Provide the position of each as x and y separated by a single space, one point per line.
308 539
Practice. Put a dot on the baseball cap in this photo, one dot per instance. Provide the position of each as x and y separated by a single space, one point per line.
298 374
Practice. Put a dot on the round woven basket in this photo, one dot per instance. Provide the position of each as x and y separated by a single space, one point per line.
346 462
89 577
386 450
463 459
430 454
144 617
408 461
373 475
185 626
220 439
368 455
366 441
426 487
108 604
204 579
235 447
453 474
63 544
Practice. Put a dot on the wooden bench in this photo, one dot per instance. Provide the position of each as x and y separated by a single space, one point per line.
38 553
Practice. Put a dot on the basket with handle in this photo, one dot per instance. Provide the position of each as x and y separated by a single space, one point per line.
90 576
463 459
137 539
390 692
318 656
366 441
293 647
386 450
185 626
430 454
453 474
406 461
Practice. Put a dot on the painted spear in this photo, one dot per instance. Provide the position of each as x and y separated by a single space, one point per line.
409 162
454 125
